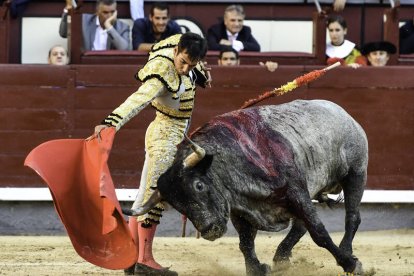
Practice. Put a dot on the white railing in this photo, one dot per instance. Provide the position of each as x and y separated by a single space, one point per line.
43 194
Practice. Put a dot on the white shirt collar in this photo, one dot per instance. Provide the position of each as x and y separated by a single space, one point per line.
340 51
231 36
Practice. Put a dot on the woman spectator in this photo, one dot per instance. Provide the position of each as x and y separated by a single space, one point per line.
340 49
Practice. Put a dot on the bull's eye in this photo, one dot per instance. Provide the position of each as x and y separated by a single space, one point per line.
199 186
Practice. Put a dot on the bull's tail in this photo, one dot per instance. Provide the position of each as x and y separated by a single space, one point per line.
323 198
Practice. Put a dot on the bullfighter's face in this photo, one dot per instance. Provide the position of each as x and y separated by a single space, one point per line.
192 193
183 63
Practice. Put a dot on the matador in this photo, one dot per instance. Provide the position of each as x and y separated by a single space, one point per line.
169 80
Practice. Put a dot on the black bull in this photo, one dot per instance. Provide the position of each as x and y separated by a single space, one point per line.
262 168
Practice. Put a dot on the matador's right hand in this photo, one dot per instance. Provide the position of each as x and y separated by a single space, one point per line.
97 133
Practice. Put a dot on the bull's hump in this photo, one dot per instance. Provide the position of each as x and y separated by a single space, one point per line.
263 147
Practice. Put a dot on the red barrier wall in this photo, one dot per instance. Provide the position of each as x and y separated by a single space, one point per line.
40 103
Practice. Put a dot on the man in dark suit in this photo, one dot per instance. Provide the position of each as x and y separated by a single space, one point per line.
102 30
232 32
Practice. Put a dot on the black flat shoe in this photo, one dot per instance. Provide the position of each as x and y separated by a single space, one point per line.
130 270
141 269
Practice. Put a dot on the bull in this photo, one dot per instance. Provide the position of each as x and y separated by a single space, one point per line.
261 167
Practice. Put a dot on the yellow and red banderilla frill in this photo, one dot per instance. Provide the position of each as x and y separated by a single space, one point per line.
299 81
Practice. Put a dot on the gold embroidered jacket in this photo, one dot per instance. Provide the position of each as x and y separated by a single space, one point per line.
167 91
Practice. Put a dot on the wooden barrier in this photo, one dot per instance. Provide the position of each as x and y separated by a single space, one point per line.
246 58
40 103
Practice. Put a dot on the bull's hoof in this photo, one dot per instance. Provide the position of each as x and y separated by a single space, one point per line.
262 270
141 269
281 264
281 259
266 269
358 268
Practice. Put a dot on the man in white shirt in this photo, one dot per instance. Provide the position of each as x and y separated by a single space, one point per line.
102 30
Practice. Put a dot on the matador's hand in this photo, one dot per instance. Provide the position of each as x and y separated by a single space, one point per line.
97 133
207 72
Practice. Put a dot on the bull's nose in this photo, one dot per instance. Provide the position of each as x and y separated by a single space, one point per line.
214 232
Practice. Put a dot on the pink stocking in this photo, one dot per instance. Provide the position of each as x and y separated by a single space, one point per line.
146 237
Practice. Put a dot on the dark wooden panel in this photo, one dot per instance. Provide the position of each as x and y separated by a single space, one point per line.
379 99
29 119
4 33
98 98
129 181
22 180
252 77
40 75
246 58
12 165
21 142
390 182
88 119
106 75
373 28
367 77
21 96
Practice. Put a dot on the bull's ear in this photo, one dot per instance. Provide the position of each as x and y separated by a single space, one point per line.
204 164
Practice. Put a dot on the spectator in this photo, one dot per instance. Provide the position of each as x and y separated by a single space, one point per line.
230 57
378 53
232 32
148 31
58 55
102 30
407 37
136 8
340 49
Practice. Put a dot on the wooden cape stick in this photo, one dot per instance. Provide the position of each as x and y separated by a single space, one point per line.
311 76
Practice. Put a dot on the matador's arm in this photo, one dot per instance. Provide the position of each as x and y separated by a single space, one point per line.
147 92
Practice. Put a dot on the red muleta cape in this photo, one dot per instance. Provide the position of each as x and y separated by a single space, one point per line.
77 174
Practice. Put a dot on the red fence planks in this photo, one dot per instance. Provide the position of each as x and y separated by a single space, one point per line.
69 102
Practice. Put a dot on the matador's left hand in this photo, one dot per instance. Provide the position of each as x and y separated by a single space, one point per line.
207 72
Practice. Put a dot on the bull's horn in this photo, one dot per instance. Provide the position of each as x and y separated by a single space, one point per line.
154 199
192 159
